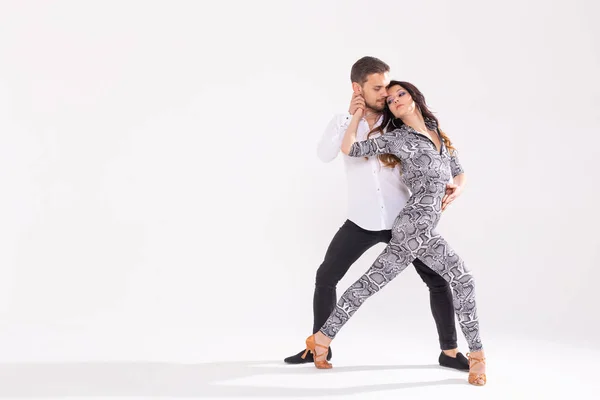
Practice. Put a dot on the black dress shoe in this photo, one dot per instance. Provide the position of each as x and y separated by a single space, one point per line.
297 358
460 362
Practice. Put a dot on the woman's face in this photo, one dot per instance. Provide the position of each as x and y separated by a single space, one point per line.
399 101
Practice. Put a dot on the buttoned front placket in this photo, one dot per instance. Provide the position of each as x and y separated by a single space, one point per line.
376 167
376 170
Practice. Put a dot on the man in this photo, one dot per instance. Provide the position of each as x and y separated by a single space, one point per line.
376 195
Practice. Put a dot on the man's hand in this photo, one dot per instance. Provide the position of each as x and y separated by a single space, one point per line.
357 102
452 192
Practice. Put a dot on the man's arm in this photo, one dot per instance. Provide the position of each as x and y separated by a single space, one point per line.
331 142
329 145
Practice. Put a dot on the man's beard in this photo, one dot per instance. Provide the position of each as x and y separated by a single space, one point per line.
375 106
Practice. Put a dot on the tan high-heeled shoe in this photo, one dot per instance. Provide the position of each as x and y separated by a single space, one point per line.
474 378
311 345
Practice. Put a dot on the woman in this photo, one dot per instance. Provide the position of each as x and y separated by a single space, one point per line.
428 161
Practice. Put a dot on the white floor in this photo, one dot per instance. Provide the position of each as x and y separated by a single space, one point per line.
517 369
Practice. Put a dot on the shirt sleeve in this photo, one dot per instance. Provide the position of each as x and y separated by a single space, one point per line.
372 147
331 140
455 166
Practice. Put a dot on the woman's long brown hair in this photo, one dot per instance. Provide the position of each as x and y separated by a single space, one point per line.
389 121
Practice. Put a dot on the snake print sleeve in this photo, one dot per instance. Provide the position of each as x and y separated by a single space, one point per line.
372 147
455 166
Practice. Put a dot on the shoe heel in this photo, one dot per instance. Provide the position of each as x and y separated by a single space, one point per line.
303 356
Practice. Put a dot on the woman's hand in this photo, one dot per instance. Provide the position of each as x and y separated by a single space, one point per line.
452 192
357 102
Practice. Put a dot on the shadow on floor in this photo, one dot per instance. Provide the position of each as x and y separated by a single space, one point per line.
143 379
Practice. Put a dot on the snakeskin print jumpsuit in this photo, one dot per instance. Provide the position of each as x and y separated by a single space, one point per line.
425 171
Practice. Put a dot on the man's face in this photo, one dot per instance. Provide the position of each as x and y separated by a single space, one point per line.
374 90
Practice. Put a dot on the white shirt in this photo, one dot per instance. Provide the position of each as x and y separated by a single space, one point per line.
376 194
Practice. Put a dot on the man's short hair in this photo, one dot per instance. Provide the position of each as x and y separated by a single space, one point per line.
366 66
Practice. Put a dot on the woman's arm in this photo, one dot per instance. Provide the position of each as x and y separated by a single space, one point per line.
460 180
455 166
363 148
454 189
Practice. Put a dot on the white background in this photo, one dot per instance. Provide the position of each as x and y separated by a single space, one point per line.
160 190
